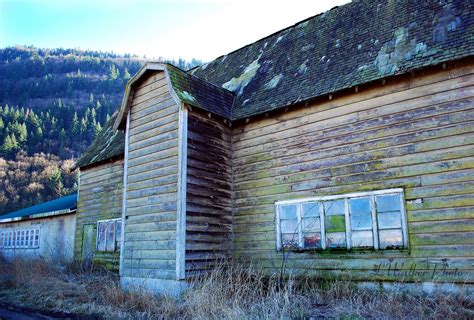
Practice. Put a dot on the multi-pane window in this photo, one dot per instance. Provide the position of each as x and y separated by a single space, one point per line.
109 233
20 239
359 220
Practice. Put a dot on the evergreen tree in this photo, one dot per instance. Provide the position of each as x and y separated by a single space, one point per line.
97 129
75 124
10 144
113 72
23 133
39 133
7 144
126 74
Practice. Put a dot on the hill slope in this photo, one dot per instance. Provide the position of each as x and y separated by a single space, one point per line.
53 102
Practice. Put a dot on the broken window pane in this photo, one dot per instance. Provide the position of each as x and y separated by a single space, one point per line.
336 240
311 209
361 221
334 207
312 240
389 220
288 212
359 206
110 236
390 239
362 239
101 235
335 223
389 202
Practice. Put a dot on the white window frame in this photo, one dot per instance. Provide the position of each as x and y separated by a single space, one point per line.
345 197
116 247
12 238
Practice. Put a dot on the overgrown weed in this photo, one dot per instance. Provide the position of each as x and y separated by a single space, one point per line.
231 291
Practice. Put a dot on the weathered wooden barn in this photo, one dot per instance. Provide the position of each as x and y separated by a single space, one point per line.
342 145
44 231
99 205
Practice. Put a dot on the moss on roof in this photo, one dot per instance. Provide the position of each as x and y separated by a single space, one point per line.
199 93
357 43
109 143
347 46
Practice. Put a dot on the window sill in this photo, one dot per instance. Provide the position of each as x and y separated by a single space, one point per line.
345 251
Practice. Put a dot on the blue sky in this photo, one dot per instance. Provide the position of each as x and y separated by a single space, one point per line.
203 29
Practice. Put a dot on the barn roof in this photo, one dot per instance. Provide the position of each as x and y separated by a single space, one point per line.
357 43
109 143
56 206
199 93
349 45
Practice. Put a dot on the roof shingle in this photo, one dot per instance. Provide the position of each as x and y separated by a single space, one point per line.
347 46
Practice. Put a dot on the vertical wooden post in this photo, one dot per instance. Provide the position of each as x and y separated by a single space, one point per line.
124 192
182 181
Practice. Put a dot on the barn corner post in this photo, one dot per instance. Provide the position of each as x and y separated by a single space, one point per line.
124 194
182 181
181 185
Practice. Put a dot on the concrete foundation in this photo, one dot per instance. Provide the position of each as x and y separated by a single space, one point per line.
159 286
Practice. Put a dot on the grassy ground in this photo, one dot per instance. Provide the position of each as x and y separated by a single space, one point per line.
230 292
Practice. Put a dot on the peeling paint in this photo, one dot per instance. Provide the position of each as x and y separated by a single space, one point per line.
273 82
237 85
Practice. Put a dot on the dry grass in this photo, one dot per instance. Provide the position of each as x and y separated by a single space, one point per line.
230 292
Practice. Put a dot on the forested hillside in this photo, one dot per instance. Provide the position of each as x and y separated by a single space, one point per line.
53 102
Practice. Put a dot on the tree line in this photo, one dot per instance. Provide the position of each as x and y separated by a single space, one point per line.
53 103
